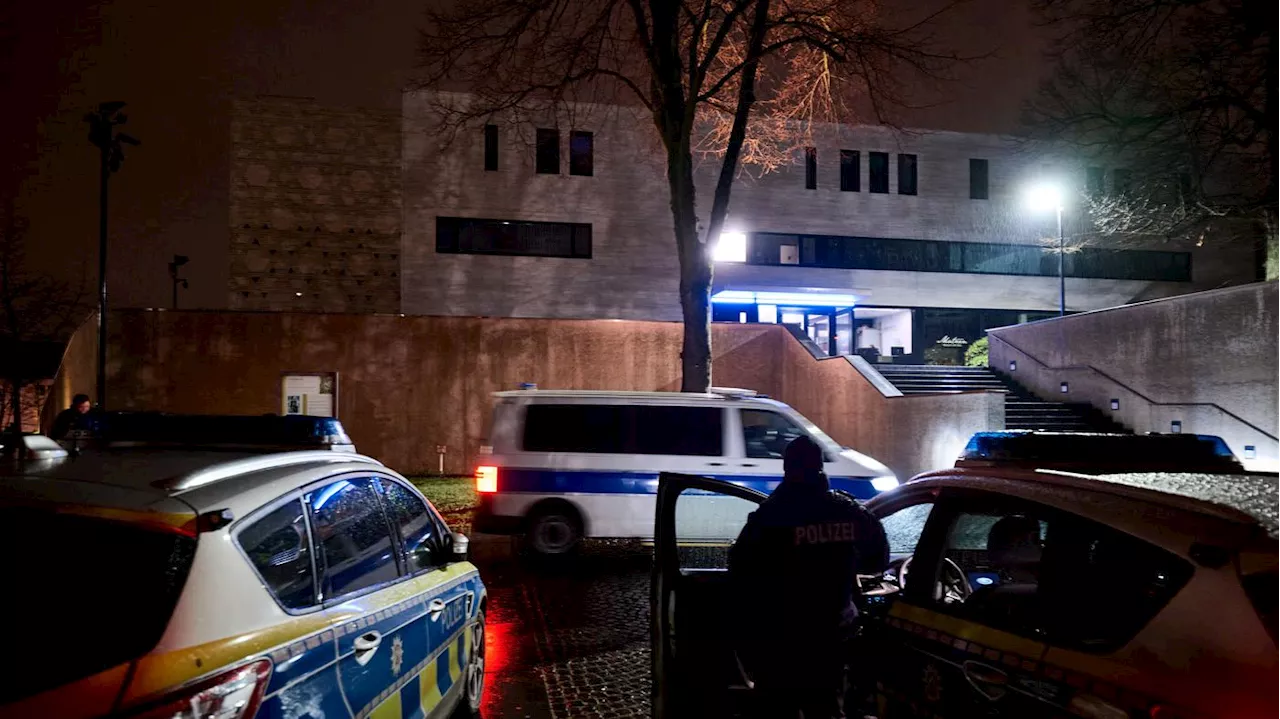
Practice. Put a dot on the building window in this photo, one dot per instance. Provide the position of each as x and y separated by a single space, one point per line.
581 153
490 148
978 179
879 167
810 168
906 174
987 258
1122 181
468 236
850 171
548 149
1095 181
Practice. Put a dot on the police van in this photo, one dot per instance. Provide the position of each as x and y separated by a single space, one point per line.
564 465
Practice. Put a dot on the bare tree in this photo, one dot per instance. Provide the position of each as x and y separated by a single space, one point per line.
1179 93
738 80
35 310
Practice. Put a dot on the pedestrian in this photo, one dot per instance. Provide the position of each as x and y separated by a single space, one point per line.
72 418
794 569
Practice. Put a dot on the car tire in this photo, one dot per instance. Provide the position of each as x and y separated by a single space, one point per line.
554 531
473 676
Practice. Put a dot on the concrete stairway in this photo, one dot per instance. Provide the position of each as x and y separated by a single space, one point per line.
1023 410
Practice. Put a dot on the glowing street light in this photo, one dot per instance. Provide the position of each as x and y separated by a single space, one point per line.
731 247
1047 197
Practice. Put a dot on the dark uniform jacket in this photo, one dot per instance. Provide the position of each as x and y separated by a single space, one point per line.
793 569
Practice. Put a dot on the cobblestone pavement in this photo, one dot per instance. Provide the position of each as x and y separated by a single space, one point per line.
569 640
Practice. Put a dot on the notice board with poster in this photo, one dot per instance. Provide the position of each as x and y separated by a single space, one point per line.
310 393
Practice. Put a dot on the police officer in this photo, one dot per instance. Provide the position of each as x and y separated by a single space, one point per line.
794 573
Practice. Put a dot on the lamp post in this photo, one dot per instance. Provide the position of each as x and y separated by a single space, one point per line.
178 261
1044 197
110 144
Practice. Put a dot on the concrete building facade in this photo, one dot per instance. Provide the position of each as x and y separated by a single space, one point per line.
900 246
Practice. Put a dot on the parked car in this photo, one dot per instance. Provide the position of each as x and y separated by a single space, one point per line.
203 576
1142 594
564 465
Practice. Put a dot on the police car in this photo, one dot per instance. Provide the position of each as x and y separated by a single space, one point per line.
568 464
170 566
1017 591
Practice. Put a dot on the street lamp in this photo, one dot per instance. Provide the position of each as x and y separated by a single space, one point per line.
178 261
731 247
110 144
1044 197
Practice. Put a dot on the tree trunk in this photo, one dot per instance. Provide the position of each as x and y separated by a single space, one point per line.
695 274
16 385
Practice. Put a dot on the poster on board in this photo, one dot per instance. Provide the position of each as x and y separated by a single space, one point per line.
313 394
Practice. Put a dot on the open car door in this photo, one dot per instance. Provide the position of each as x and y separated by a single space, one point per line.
696 671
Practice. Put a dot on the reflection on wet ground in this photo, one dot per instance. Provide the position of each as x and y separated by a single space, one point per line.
569 639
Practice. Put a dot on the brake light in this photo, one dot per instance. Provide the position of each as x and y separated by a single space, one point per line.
235 694
486 479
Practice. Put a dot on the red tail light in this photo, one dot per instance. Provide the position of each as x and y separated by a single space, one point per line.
486 479
234 694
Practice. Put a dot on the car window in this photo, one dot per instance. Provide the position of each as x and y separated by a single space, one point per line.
904 527
624 429
279 550
353 537
84 594
766 434
1054 575
419 533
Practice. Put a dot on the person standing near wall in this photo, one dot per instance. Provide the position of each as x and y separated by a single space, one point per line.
71 418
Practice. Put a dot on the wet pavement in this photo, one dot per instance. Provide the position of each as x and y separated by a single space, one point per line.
569 639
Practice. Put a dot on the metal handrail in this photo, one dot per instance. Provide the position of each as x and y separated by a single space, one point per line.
1127 388
218 472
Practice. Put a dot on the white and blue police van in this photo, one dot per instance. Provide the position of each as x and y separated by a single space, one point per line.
563 465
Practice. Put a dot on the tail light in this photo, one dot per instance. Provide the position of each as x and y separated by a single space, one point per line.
234 694
486 479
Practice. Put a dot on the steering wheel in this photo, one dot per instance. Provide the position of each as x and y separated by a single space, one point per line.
953 586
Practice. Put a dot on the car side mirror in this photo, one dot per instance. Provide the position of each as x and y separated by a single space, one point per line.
461 545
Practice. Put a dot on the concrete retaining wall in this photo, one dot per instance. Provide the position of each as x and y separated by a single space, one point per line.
408 384
1207 360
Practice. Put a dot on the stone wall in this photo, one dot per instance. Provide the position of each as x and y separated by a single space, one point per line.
408 384
314 208
1208 360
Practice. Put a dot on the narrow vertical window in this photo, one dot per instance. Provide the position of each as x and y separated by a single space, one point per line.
979 188
879 167
810 168
906 174
581 153
490 148
1096 181
850 171
548 152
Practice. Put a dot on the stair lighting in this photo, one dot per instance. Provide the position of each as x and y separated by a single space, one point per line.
1250 451
1064 388
1175 426
1115 403
1013 365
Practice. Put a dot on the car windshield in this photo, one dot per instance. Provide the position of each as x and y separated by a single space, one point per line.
84 594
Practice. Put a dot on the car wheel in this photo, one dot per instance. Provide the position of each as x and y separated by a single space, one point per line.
473 676
554 531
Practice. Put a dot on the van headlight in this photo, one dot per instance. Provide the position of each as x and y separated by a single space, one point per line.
884 483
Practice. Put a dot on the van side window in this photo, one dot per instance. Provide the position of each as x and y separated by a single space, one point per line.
766 434
624 429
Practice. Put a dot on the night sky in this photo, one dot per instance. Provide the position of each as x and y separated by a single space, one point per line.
178 64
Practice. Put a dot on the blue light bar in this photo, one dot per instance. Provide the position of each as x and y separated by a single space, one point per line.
1093 453
200 430
800 299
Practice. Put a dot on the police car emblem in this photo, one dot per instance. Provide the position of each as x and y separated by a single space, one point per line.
397 656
